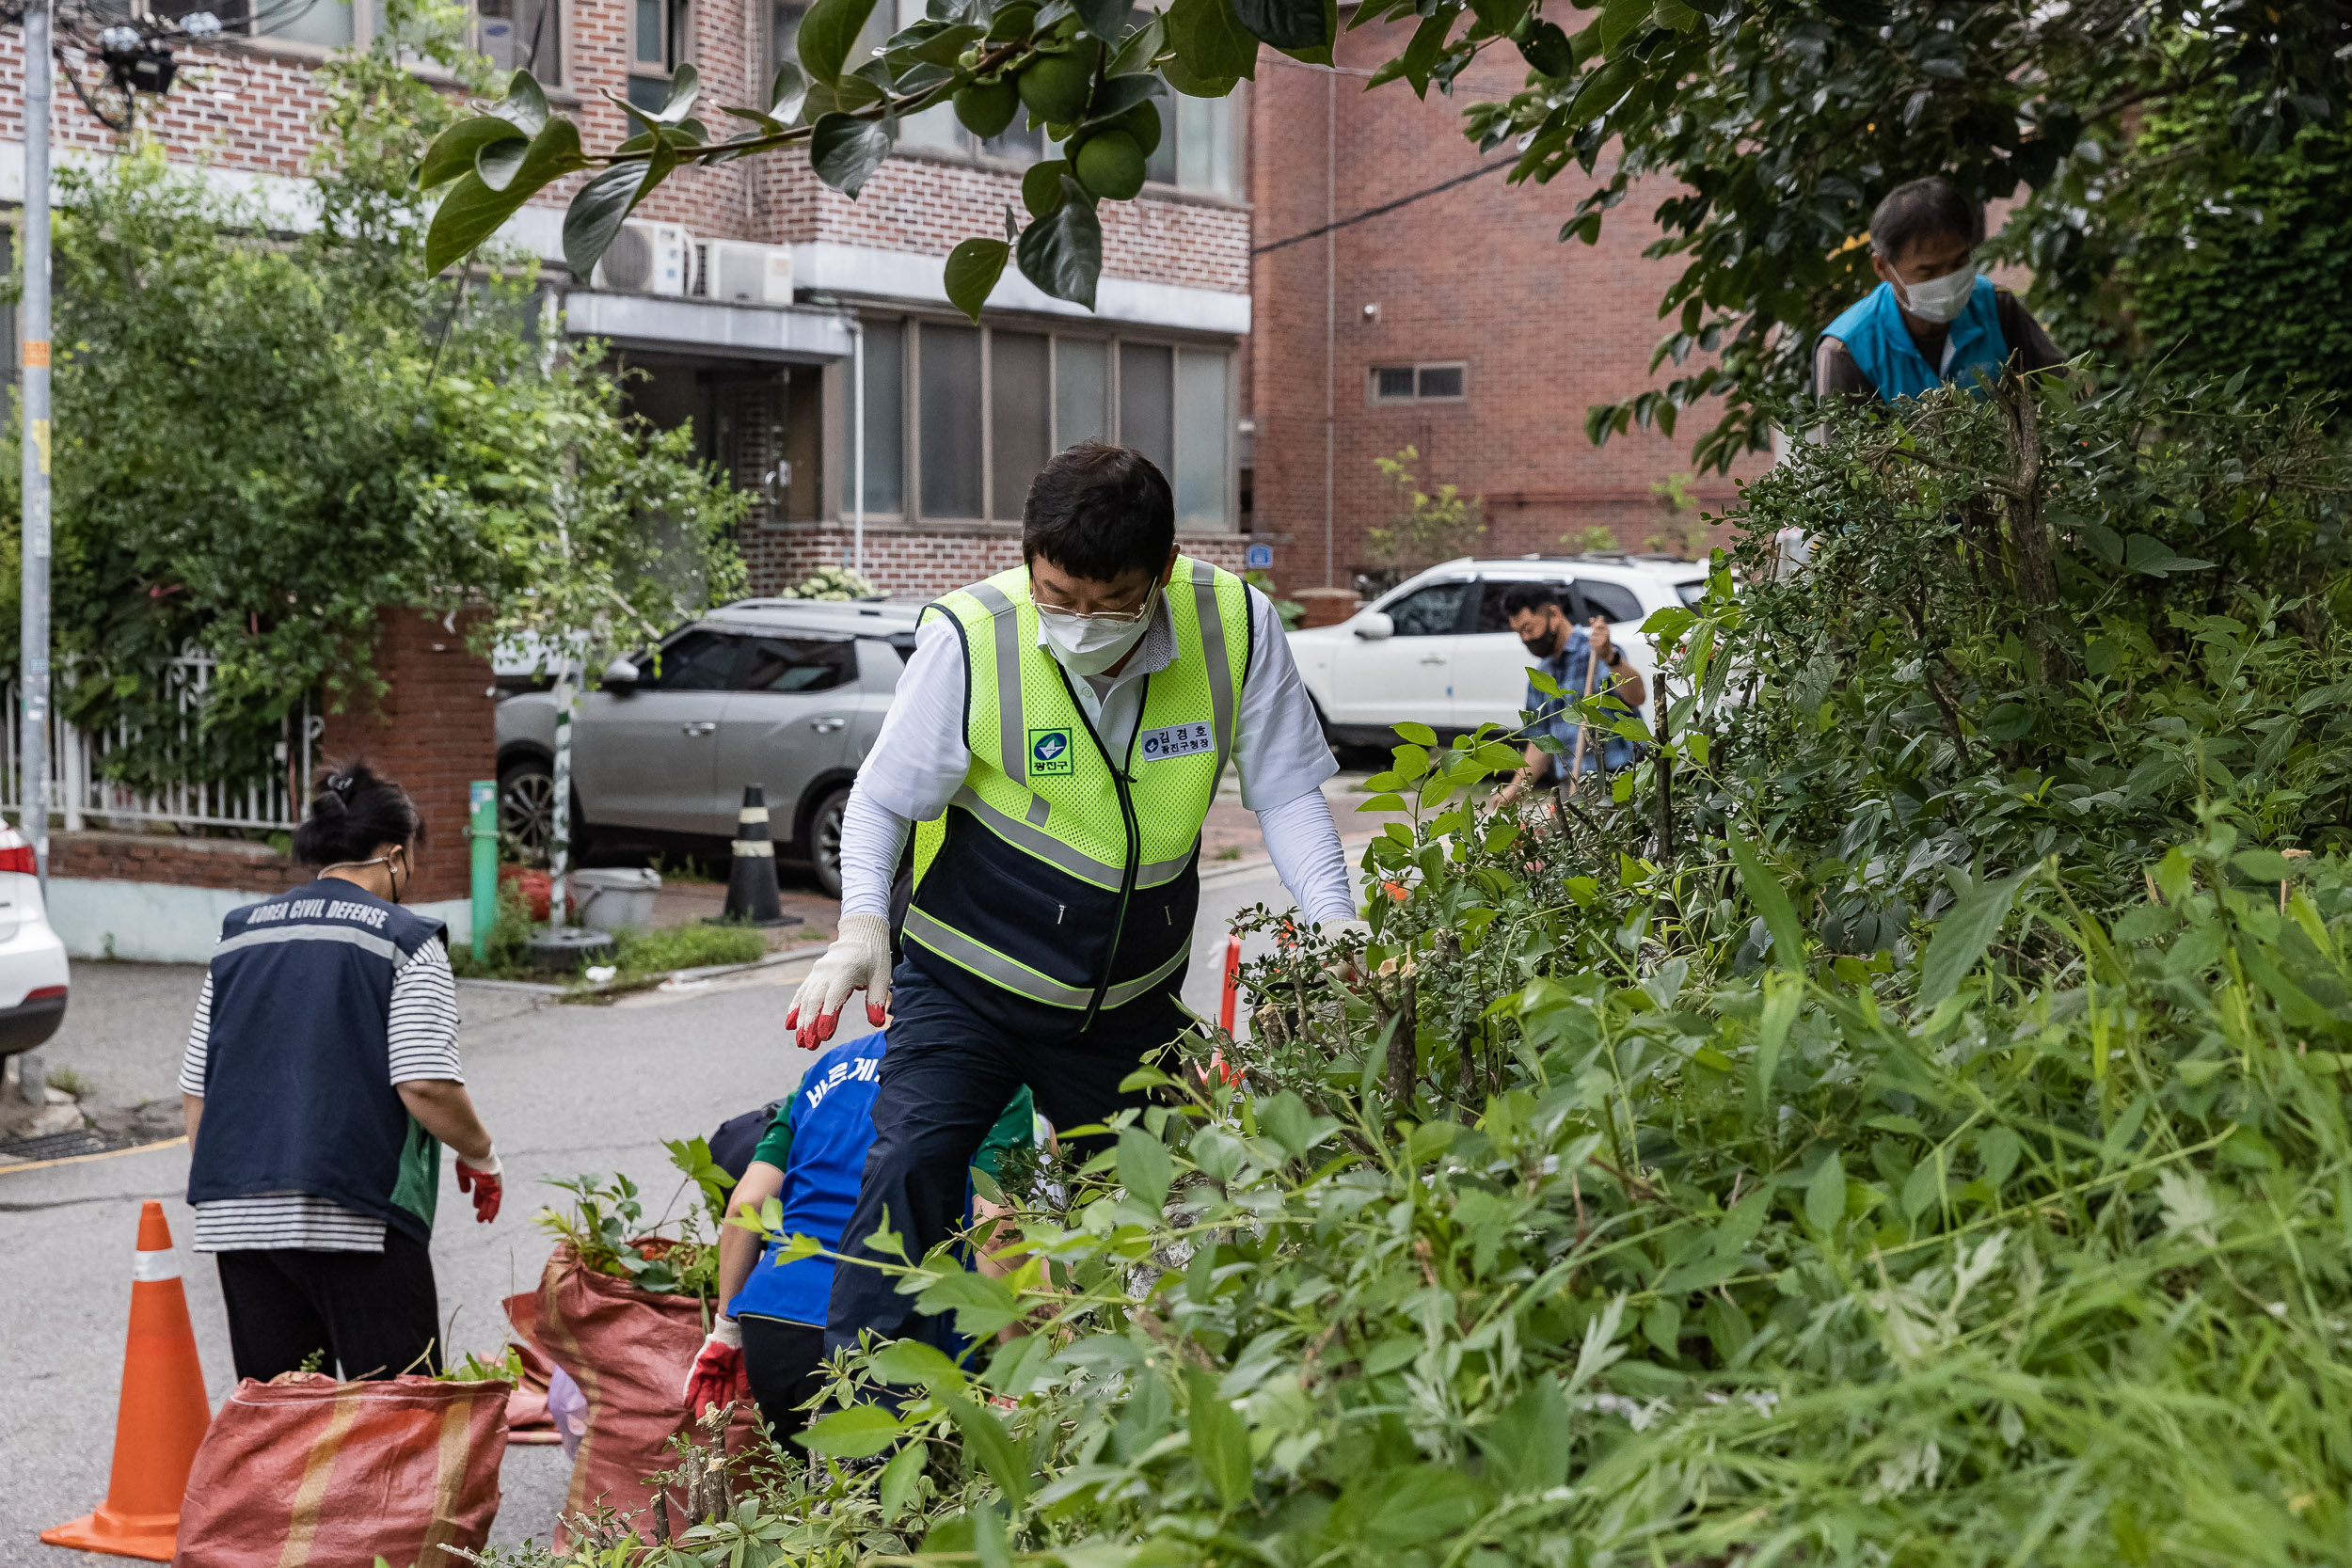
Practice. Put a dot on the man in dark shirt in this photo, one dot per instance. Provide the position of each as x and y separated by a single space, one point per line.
1933 320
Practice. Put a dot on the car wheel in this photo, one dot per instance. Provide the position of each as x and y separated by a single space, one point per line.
527 807
824 841
527 811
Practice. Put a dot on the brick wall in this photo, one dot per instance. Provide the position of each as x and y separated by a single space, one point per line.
1476 275
918 563
433 732
110 856
247 109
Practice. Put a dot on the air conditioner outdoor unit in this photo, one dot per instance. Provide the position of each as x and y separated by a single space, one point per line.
646 259
743 274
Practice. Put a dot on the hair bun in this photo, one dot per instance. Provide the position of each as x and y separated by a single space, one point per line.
330 803
340 783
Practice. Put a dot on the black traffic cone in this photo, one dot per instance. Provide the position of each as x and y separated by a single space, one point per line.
752 879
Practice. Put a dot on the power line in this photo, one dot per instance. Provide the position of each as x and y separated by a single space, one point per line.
1370 213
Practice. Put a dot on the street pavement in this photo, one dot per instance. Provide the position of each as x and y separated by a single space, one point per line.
566 1089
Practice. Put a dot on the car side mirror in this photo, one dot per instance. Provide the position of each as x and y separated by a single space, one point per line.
1374 625
621 676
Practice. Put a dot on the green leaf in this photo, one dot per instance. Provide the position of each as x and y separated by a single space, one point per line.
1144 1167
986 1439
1424 1504
469 215
988 1537
454 150
1119 95
525 105
1547 50
973 269
686 85
1924 1186
1042 190
2263 865
787 92
982 1305
827 32
1286 1120
899 1478
1285 23
1062 252
846 151
1419 735
595 213
1961 936
1209 40
1105 18
1220 1440
1997 1150
1529 1446
1770 900
1784 989
1825 1193
2154 559
913 1361
857 1432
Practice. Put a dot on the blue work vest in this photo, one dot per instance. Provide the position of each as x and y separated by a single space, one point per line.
1873 332
832 1127
299 1093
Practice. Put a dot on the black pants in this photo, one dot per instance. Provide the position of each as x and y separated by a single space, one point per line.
370 1314
780 1362
944 1083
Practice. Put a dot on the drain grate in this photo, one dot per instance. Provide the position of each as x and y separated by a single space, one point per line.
65 1146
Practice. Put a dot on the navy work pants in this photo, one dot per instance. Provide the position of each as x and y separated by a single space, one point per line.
943 1082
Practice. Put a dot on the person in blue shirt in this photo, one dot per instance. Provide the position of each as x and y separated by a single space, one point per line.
1575 659
770 1337
1933 320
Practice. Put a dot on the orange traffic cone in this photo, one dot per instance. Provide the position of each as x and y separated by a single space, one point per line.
162 1417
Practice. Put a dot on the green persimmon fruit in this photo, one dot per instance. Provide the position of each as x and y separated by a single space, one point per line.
987 107
1143 123
1110 164
1056 87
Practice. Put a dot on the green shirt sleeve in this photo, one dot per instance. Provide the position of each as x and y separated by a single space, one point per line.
776 1144
1015 1128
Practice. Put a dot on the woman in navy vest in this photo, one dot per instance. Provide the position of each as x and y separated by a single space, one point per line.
323 1068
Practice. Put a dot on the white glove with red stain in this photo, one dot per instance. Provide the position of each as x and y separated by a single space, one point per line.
858 960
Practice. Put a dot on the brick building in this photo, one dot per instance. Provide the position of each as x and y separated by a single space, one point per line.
956 418
1456 324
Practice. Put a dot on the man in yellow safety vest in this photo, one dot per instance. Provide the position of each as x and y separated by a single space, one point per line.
1054 746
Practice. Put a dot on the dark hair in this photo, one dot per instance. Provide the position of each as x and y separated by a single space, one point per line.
1920 209
1531 596
1100 512
354 812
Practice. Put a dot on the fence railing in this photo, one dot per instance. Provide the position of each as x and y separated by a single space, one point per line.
268 794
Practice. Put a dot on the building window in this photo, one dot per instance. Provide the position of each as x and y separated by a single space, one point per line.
1438 383
656 40
958 419
1200 147
522 35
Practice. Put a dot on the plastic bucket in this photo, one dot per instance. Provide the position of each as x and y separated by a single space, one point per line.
615 898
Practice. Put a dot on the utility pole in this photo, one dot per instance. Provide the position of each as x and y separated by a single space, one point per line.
33 672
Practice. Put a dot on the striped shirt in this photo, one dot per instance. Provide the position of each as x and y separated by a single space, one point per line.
423 1040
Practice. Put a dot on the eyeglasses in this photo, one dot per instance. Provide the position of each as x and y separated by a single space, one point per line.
1100 617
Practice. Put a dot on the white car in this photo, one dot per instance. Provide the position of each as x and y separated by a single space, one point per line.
32 959
1438 650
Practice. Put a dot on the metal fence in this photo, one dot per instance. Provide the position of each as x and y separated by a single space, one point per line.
268 794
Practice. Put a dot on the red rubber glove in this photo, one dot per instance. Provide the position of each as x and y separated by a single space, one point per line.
482 1180
717 1377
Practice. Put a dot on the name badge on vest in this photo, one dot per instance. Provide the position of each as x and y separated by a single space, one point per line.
1178 740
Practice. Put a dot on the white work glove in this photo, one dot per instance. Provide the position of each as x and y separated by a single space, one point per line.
858 960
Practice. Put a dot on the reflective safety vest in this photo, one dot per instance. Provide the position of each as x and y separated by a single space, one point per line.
1061 881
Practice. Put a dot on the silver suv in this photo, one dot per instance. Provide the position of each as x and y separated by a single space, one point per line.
785 693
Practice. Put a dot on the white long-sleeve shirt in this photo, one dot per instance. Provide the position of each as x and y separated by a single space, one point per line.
921 758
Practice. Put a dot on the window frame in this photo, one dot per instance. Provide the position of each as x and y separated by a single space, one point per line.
1374 398
363 35
1052 330
678 43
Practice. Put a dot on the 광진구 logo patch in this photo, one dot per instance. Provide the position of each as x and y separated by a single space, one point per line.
1049 752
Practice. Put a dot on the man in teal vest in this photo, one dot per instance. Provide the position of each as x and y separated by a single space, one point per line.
1933 321
1054 747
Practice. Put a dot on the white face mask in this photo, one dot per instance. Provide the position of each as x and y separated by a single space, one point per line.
1939 299
1089 644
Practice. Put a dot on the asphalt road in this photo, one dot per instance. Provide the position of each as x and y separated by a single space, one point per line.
565 1089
